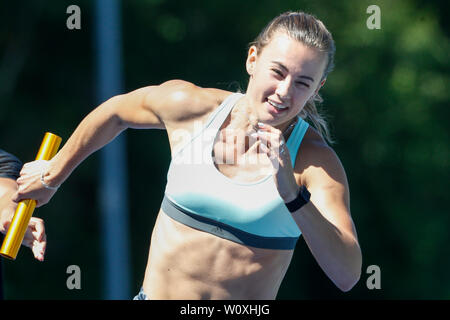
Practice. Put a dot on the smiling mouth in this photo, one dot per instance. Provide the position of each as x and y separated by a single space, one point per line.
277 105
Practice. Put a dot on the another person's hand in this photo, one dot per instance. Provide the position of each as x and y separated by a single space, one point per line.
35 237
30 184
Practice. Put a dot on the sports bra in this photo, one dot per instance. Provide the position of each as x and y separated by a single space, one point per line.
198 195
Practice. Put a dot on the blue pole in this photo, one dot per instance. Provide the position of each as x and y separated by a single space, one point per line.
113 167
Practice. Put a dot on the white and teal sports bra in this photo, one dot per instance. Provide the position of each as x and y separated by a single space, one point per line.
198 195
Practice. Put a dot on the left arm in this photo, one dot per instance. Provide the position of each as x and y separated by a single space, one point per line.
325 221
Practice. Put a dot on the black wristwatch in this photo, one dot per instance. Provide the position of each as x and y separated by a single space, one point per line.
302 199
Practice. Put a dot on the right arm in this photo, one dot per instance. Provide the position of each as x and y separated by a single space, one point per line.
153 107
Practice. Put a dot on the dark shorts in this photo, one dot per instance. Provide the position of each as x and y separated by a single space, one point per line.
141 295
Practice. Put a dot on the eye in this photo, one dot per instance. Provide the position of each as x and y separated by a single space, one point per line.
278 72
302 83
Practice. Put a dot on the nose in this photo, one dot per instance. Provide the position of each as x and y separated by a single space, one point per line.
284 88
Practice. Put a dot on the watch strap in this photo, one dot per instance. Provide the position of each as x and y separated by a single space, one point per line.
302 199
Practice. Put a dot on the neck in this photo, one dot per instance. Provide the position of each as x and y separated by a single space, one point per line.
242 122
243 117
287 127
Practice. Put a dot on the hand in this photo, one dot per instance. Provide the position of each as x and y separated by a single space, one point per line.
30 185
35 237
274 146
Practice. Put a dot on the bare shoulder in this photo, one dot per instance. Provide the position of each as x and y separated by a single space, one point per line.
178 101
318 166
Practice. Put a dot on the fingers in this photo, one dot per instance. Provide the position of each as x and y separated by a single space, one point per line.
38 229
24 195
275 135
270 143
35 238
38 249
273 145
29 173
34 166
271 140
30 185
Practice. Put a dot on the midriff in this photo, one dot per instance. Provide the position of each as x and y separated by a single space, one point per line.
185 263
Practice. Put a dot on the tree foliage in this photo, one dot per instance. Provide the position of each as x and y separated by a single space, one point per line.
386 100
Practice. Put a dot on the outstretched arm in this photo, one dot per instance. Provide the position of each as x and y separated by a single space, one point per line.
154 107
97 129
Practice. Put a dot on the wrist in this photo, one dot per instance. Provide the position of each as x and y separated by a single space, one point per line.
47 184
300 200
292 195
52 177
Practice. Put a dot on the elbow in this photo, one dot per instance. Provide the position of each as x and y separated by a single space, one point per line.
113 109
352 275
349 283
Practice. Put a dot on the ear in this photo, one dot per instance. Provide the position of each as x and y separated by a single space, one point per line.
251 60
320 86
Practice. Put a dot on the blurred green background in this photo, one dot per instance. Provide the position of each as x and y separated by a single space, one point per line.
387 101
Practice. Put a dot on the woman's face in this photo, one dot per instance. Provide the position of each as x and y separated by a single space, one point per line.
283 77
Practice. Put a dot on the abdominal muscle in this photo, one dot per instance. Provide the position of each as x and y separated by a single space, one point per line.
186 263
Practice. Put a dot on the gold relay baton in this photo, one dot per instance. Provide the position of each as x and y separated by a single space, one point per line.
24 211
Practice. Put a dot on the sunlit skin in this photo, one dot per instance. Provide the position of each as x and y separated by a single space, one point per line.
35 237
185 263
286 72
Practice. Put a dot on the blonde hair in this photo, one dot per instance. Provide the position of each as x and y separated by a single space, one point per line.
311 32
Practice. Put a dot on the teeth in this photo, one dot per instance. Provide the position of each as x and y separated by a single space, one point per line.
276 105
